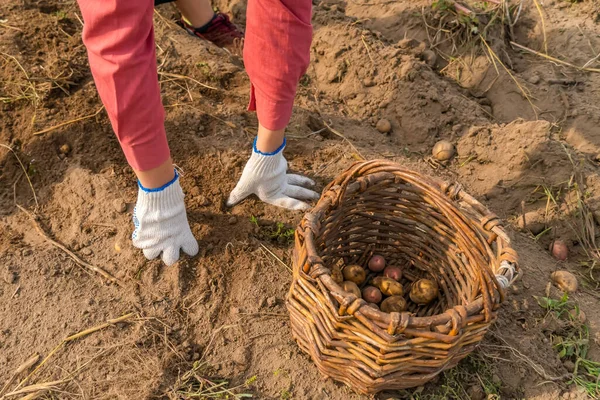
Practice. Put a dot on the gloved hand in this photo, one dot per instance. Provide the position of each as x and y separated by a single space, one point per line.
161 224
265 176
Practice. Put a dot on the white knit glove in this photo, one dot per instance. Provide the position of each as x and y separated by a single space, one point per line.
161 224
265 176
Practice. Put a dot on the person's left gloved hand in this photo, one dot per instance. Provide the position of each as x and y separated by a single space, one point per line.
265 176
161 224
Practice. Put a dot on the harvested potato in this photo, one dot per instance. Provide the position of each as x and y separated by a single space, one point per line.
393 272
351 287
424 291
355 273
373 305
383 126
393 304
559 250
336 275
377 263
388 286
64 149
443 150
566 281
371 294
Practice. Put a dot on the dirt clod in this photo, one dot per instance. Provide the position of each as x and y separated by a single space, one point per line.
534 79
10 277
569 365
203 201
369 82
119 205
475 392
407 43
429 57
195 191
271 301
531 221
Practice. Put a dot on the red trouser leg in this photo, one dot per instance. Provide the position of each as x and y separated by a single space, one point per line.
119 36
276 55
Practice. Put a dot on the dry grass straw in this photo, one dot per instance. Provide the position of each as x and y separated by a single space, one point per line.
178 76
26 90
556 60
66 341
543 20
69 122
22 368
459 26
585 226
275 256
25 172
465 30
194 384
85 265
37 389
520 356
24 86
522 89
344 138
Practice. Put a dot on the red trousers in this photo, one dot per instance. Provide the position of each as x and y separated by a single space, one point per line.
119 37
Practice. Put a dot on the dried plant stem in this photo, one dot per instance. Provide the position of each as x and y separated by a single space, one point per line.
362 37
73 337
187 77
26 174
344 138
69 122
521 88
39 387
556 60
275 256
539 9
79 261
22 368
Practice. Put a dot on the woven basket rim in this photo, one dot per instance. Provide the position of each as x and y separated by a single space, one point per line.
357 178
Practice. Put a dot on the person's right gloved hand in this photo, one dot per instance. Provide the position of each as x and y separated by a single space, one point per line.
161 224
265 175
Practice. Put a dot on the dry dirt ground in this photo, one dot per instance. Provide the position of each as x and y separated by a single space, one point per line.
221 314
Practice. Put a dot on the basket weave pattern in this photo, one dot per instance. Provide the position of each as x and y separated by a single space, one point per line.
429 228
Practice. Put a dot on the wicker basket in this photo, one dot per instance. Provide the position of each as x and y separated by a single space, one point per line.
428 227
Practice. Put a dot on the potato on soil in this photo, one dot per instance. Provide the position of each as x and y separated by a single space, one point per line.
424 291
355 273
371 294
388 286
65 149
351 287
393 272
566 281
443 150
559 250
336 275
393 304
377 263
383 126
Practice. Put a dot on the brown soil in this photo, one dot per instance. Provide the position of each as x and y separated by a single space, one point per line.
225 307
